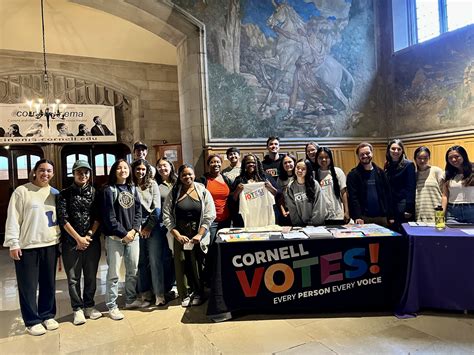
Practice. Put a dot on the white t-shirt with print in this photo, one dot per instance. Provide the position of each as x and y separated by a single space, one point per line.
256 205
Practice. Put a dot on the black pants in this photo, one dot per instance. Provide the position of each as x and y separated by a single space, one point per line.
37 267
77 262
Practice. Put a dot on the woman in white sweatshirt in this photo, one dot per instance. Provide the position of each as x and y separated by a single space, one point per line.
32 234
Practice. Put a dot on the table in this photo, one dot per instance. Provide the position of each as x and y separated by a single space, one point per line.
310 275
440 270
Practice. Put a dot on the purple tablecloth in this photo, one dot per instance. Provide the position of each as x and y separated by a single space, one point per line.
440 271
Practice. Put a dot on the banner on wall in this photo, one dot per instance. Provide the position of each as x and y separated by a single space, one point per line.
351 274
78 124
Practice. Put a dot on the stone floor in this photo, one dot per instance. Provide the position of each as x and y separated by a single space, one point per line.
173 329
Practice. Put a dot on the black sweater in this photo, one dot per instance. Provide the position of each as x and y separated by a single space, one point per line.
357 190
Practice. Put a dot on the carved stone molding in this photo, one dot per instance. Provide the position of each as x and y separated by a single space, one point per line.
15 88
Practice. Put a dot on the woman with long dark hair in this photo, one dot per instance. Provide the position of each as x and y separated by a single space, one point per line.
32 234
122 220
285 177
402 180
428 185
188 213
304 198
458 188
150 264
332 181
78 217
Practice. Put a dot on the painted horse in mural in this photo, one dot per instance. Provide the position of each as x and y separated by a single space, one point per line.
287 50
304 50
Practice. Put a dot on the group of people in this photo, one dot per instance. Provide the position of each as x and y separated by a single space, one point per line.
162 224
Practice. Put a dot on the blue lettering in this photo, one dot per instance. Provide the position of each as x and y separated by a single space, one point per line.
51 222
351 260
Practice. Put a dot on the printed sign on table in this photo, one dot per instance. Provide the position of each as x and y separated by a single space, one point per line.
315 275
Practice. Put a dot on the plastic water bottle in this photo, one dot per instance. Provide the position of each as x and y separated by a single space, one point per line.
439 218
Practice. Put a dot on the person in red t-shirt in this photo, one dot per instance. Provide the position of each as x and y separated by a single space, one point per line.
220 187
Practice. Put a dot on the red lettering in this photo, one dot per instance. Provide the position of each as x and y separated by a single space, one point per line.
250 290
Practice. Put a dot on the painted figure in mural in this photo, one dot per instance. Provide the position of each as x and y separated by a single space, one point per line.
287 50
304 49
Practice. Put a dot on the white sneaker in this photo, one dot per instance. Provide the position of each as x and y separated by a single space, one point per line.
137 304
196 300
160 301
51 324
186 302
79 317
173 293
92 313
36 329
115 314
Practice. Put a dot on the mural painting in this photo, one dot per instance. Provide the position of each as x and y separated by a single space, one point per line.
296 68
434 86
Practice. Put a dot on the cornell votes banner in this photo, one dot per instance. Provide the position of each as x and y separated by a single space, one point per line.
77 123
311 275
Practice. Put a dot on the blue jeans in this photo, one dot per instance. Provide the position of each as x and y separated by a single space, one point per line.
150 265
462 213
167 260
116 252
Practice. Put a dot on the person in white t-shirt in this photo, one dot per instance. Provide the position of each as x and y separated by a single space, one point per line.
333 185
304 198
458 189
32 234
251 171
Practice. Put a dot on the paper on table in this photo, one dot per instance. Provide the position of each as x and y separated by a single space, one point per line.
295 235
421 224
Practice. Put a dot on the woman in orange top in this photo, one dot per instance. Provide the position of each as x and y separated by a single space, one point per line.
219 187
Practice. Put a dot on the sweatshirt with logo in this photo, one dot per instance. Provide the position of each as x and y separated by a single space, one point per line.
302 211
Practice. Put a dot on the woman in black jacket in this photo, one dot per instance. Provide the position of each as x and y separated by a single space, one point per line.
402 179
76 210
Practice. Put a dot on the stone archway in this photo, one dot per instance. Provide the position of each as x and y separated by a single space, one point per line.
171 23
